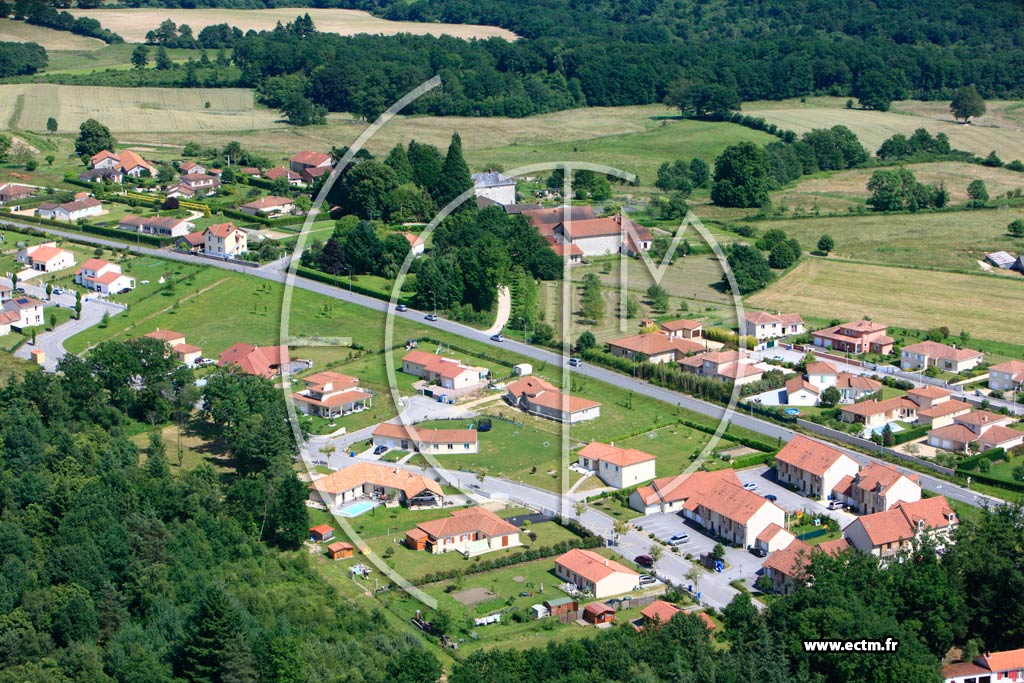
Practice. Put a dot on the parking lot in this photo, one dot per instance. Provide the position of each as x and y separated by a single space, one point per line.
790 501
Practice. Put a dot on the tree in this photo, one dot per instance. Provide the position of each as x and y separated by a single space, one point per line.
51 125
78 305
399 162
701 100
454 178
209 637
742 176
156 457
830 396
632 307
740 616
93 137
658 296
781 256
585 342
163 60
826 244
700 173
592 301
977 192
1016 228
426 162
50 159
967 103
749 268
876 89
140 57
718 552
656 551
1018 472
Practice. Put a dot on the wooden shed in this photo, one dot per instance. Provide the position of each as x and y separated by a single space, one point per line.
416 539
340 550
321 532
561 605
598 613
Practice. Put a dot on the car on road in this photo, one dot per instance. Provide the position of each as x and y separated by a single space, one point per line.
679 539
401 308
750 485
835 505
380 450
771 496
432 317
497 338
647 580
58 290
644 560
575 362
757 551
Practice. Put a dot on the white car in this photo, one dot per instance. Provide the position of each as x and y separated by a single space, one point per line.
750 486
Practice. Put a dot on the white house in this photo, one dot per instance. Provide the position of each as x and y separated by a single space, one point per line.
981 427
821 374
495 186
927 354
362 480
763 325
271 205
1006 667
535 396
813 467
46 257
163 226
885 534
595 574
103 277
28 309
332 394
877 488
800 392
470 531
225 240
1008 376
423 440
71 211
617 467
446 373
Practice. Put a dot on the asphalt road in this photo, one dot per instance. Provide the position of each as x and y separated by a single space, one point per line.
772 431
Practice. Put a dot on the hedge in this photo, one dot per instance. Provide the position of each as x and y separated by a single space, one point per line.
752 460
122 235
981 477
343 283
911 434
269 222
742 440
992 455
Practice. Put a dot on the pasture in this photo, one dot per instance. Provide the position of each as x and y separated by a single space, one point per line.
133 24
845 189
21 32
955 240
825 289
998 130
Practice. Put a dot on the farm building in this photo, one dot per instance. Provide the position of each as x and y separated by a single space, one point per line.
1001 259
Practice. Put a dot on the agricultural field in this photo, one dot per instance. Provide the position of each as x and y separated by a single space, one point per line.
826 289
848 189
133 24
955 240
998 130
117 56
51 39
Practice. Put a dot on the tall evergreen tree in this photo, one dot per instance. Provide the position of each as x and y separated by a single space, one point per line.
210 638
398 160
156 457
426 163
454 178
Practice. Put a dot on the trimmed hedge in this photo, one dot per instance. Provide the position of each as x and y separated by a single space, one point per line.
981 477
122 235
742 440
343 283
911 434
752 460
971 463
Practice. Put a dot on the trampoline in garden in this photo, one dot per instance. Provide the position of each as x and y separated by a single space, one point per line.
792 411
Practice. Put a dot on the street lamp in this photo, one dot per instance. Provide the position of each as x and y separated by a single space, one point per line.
349 271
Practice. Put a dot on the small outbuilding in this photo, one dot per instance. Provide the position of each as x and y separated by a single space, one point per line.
539 611
561 605
340 550
598 613
321 532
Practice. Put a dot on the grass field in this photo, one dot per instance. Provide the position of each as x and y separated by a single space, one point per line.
987 307
840 191
80 60
673 445
996 131
51 39
133 24
955 240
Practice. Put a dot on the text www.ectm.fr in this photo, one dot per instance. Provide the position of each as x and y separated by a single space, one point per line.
864 645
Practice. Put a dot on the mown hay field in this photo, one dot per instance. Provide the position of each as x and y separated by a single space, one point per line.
20 32
1000 129
133 24
987 307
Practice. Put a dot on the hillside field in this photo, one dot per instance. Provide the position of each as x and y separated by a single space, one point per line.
987 307
51 39
998 130
956 240
133 24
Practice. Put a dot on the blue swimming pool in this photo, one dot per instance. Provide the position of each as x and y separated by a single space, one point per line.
356 509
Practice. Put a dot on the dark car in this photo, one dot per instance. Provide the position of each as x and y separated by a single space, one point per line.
758 552
771 496
380 450
644 560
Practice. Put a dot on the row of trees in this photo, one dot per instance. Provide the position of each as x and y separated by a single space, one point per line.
21 59
43 13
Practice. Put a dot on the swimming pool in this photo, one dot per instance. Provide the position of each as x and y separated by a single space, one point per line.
356 509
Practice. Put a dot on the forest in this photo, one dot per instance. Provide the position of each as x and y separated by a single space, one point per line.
117 564
603 53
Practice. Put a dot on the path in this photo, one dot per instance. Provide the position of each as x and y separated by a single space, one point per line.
52 343
504 311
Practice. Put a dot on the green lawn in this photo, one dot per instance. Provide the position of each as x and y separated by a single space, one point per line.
675 446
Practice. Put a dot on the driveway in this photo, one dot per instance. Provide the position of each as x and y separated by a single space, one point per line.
790 501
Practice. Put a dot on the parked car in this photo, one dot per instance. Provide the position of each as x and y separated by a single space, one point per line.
750 485
771 496
757 551
835 505
380 450
644 560
647 580
401 308
203 362
575 362
431 317
497 338
58 290
679 539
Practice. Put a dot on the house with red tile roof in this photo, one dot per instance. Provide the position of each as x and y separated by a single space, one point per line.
773 538
262 361
888 533
446 373
926 354
657 613
1008 376
855 387
617 467
535 396
936 407
874 413
271 205
199 183
71 212
653 347
986 429
191 167
800 392
46 257
163 226
821 374
23 311
127 162
788 567
331 394
225 240
813 467
859 336
591 235
762 325
1006 666
293 178
10 192
471 531
423 440
876 488
595 574
367 480
724 366
103 277
715 500
683 328
415 243
307 159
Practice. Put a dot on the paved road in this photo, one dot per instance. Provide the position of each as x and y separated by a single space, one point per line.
767 429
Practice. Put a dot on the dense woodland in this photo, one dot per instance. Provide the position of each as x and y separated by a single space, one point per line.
117 565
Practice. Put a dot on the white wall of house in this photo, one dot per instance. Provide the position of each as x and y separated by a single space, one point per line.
822 381
599 246
802 397
1002 381
503 194
621 477
447 448
769 513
